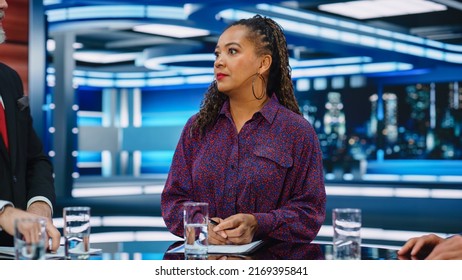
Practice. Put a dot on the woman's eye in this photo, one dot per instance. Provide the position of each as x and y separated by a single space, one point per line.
232 51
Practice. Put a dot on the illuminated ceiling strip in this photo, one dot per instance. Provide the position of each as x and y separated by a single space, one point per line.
104 57
171 30
351 69
159 63
331 61
381 8
115 11
51 2
348 25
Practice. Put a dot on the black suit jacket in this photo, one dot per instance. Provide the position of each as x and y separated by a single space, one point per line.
25 172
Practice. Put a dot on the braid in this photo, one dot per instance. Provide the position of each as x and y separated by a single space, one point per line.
210 108
269 39
280 81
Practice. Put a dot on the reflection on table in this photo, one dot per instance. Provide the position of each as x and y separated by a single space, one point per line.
273 250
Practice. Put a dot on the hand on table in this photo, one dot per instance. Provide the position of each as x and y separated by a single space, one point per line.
10 214
214 237
43 209
449 249
237 229
432 247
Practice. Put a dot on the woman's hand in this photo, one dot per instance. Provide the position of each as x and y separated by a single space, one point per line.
237 229
214 237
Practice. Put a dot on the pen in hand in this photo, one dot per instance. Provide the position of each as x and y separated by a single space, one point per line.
215 223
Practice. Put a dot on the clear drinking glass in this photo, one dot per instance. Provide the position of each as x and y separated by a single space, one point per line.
76 232
30 238
347 233
196 218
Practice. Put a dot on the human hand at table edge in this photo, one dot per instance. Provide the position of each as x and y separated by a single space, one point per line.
10 214
448 249
237 229
42 209
432 247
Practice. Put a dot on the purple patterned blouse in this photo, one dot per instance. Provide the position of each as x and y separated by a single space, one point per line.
271 169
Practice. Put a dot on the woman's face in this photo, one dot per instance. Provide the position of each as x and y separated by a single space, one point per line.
236 62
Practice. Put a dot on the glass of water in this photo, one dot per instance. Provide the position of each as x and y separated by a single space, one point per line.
76 231
347 233
196 218
30 238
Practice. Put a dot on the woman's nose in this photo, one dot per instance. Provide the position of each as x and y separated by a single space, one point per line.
218 62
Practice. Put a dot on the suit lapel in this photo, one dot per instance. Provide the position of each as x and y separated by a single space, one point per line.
10 114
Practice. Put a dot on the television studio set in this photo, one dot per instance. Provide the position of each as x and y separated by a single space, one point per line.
112 84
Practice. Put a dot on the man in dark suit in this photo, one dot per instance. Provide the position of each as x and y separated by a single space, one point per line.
26 174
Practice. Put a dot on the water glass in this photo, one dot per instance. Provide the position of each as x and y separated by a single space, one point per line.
196 218
76 231
347 233
30 238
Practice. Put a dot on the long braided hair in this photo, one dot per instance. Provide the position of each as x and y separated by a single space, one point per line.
269 39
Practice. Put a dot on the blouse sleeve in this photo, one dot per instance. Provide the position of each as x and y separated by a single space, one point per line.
301 216
177 187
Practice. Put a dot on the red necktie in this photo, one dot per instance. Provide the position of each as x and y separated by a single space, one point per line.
3 130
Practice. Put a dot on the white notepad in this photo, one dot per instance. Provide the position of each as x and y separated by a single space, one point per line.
225 249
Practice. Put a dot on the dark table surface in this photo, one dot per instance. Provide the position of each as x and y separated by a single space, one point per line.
273 250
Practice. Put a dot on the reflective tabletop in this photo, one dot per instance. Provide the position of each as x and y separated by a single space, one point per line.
272 250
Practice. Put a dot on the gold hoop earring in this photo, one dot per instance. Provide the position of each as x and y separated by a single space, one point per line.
260 76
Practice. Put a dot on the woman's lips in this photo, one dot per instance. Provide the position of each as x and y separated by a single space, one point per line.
220 76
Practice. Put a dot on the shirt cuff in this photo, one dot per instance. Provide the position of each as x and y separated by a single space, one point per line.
264 221
43 199
3 204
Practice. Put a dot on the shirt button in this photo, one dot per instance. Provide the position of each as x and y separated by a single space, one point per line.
15 179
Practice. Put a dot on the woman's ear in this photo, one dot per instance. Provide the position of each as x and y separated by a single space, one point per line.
265 63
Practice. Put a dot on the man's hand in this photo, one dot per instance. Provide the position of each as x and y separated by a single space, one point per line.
42 209
448 249
420 247
36 209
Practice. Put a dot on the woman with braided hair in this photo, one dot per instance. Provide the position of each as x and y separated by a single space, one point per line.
248 152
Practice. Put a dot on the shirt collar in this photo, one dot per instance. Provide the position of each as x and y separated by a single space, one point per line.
271 108
268 111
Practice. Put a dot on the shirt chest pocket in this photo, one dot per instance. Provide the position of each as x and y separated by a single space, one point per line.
267 169
280 158
271 166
